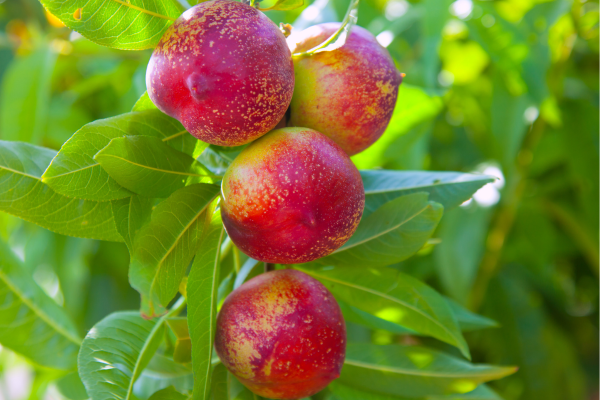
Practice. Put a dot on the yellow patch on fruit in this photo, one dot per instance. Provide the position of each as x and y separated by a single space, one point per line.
385 87
242 353
271 305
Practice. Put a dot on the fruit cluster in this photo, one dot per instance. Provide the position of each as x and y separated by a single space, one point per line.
227 73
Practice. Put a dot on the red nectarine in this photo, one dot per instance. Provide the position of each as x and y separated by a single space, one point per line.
224 70
348 94
282 335
292 196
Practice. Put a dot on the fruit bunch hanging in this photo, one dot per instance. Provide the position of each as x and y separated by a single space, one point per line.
293 195
241 144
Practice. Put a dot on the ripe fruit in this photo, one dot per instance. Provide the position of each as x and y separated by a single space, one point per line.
282 335
224 70
349 93
291 197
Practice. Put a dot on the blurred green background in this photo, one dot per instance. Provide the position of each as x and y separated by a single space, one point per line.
509 88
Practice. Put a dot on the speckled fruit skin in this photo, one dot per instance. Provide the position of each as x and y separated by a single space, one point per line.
282 335
224 70
291 197
349 93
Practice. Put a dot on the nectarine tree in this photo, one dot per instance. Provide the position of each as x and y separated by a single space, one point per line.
199 185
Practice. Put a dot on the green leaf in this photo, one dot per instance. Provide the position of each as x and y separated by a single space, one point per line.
413 371
71 387
161 373
450 189
393 233
116 350
469 321
217 159
23 195
75 173
144 103
284 5
457 259
338 39
131 213
203 286
168 394
225 386
31 323
121 24
165 246
148 166
481 393
25 96
394 297
343 392
219 388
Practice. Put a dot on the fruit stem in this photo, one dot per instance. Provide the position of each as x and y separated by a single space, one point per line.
269 267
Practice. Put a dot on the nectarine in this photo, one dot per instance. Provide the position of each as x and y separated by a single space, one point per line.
292 196
349 93
224 70
282 335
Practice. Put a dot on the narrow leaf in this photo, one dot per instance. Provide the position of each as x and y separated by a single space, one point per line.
203 286
467 321
121 24
25 96
284 5
344 392
393 233
219 390
148 166
75 173
161 373
165 246
31 323
131 213
227 387
23 195
394 297
71 387
413 371
168 394
116 350
481 393
144 103
450 189
338 39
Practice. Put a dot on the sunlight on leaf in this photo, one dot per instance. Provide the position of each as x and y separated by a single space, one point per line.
338 39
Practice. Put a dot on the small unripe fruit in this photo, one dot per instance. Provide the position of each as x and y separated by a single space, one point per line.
349 93
291 197
224 70
282 335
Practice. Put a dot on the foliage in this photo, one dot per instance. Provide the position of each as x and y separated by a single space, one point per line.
505 93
